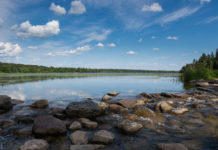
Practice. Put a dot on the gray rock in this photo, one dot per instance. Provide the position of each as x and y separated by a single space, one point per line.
130 103
7 123
35 144
5 104
129 127
103 136
24 132
76 125
88 123
86 109
79 138
1 131
171 146
106 97
45 125
40 104
86 147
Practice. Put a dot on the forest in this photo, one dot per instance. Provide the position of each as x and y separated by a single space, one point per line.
206 67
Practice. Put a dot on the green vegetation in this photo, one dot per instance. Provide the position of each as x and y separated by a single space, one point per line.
204 68
20 68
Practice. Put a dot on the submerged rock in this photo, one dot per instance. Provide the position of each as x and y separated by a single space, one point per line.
86 147
113 94
40 104
171 146
7 123
86 109
35 144
24 132
46 125
129 127
106 97
103 136
5 104
79 137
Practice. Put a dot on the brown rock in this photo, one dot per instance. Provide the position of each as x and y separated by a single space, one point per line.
106 98
129 127
103 136
86 147
144 112
163 106
171 146
88 123
76 125
40 104
35 144
113 94
79 137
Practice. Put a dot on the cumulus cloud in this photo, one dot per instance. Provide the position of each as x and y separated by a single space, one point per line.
172 38
100 45
130 53
57 9
111 45
38 31
156 49
78 50
155 7
77 8
1 22
9 49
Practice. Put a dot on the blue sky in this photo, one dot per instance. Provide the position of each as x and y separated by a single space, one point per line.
128 34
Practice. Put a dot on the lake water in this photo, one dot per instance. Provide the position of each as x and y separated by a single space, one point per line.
68 87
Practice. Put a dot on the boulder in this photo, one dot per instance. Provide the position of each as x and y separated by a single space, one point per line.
116 108
86 147
106 98
76 125
79 138
35 144
88 123
40 104
5 104
113 94
144 112
129 127
130 103
179 111
171 146
46 125
103 136
86 109
163 106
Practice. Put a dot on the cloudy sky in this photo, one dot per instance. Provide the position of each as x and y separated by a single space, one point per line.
129 34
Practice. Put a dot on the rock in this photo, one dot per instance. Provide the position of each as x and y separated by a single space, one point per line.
103 136
202 84
167 95
7 123
24 132
58 113
5 104
79 138
46 125
90 98
171 146
86 109
40 104
106 98
88 123
163 107
35 144
1 131
113 94
144 112
130 103
129 127
204 89
103 105
15 101
76 125
181 95
116 108
179 111
135 144
86 147
146 95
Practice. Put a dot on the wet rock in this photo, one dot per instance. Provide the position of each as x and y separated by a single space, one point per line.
144 112
103 105
15 101
135 144
86 147
181 95
35 144
130 103
116 108
113 94
1 131
90 98
103 136
46 125
179 111
202 84
24 132
79 138
76 125
40 104
171 146
167 95
129 127
7 123
25 115
193 145
106 98
88 123
87 109
163 106
198 105
204 89
146 95
5 104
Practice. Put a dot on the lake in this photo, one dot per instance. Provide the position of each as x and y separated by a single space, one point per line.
68 87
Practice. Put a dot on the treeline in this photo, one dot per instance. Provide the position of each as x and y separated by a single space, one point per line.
21 68
206 67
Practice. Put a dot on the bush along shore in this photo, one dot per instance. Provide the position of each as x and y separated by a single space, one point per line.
179 121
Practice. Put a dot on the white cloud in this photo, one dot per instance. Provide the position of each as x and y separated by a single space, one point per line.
130 53
38 31
205 1
36 59
14 27
1 22
32 47
57 9
77 7
100 45
78 50
153 37
111 45
210 20
155 7
9 49
156 49
172 38
140 40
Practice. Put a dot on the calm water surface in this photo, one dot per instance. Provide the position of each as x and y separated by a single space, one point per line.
77 87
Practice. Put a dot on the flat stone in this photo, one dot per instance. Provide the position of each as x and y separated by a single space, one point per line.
202 84
88 123
40 104
86 147
113 94
171 146
35 144
76 125
79 138
179 111
129 127
106 98
130 103
103 136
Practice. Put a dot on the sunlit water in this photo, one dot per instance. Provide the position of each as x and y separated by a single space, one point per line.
78 88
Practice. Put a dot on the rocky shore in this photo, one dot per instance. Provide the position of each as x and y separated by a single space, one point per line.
164 121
